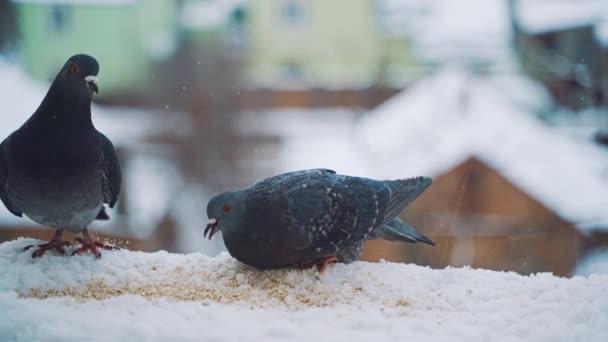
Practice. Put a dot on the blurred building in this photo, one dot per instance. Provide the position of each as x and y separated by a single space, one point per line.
510 192
128 38
564 45
480 218
289 43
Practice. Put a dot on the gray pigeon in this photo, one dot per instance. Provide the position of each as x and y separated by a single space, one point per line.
312 217
57 169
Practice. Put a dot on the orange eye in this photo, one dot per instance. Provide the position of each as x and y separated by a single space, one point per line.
73 67
226 208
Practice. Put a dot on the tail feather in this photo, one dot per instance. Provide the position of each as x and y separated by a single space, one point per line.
403 192
397 230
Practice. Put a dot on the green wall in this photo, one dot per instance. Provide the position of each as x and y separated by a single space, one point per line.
118 36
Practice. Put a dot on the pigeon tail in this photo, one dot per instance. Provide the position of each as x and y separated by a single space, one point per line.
397 230
403 192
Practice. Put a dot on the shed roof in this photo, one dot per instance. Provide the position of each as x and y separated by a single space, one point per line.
454 115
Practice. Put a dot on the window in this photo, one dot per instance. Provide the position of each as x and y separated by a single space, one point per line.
59 19
292 12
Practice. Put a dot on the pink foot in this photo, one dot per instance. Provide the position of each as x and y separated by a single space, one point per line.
321 264
88 244
55 244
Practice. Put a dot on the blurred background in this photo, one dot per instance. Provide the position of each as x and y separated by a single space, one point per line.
504 103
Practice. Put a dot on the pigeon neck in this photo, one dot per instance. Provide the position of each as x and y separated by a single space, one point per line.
66 107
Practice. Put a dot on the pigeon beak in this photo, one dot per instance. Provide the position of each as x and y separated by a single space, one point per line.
211 228
92 83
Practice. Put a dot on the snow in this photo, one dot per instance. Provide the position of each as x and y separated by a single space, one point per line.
160 296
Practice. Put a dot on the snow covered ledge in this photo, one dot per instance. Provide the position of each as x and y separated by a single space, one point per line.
158 296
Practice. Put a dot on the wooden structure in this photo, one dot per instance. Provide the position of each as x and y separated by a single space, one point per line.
479 218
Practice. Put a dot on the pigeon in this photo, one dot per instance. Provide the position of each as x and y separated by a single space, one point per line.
312 217
57 169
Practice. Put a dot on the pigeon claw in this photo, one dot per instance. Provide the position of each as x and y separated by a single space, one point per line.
88 244
55 244
321 264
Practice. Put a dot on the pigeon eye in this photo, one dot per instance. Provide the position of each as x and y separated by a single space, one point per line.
226 208
73 67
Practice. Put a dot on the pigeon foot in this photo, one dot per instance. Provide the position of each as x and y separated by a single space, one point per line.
88 244
321 264
55 244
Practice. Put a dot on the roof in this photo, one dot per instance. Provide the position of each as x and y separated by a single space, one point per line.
454 115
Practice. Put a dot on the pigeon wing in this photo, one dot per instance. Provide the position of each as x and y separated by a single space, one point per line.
336 210
4 189
111 177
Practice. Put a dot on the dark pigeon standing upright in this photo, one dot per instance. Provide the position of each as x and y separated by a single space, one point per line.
312 217
57 169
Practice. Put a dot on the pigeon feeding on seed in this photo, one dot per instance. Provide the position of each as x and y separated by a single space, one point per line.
312 217
57 169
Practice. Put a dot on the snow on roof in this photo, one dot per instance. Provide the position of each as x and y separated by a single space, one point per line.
549 15
207 14
454 115
162 296
465 30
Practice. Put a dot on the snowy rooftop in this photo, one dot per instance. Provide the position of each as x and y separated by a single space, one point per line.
161 296
455 115
472 30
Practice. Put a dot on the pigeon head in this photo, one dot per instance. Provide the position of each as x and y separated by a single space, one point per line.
222 211
79 74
